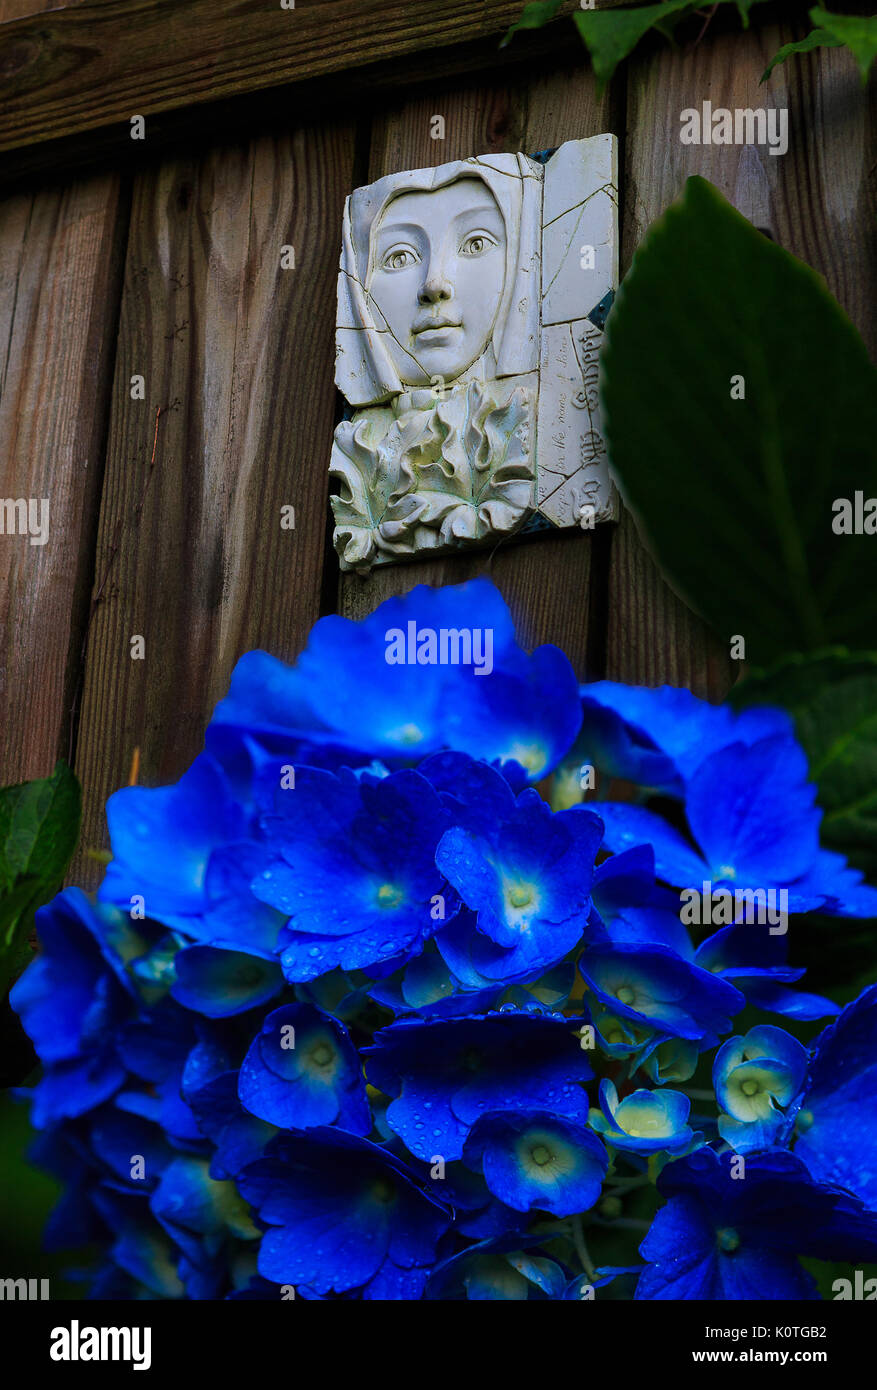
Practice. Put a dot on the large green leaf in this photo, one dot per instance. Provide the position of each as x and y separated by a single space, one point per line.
533 16
735 496
833 698
817 38
39 827
858 32
610 35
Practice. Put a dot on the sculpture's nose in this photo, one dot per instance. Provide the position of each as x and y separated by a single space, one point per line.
435 288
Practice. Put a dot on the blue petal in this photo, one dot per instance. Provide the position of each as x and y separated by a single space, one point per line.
840 1102
302 1071
668 993
564 1179
162 839
627 827
220 983
732 810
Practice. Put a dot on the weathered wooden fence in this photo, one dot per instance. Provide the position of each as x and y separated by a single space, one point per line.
161 258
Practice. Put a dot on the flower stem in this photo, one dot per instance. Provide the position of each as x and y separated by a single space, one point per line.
578 1238
628 1184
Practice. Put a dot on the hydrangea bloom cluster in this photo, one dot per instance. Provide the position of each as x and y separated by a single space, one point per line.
378 1002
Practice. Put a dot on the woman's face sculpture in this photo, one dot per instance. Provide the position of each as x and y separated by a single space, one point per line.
438 270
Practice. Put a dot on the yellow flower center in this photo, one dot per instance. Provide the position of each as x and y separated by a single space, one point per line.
520 895
389 895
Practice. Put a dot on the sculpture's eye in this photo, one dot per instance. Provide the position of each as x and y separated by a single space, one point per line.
476 243
399 258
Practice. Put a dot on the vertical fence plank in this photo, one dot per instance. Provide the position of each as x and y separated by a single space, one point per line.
547 581
815 200
237 354
653 637
61 253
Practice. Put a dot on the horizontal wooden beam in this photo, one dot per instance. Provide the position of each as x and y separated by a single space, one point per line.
92 65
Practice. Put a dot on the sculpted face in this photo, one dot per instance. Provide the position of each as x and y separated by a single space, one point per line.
437 277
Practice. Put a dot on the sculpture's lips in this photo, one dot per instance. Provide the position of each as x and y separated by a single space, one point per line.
421 330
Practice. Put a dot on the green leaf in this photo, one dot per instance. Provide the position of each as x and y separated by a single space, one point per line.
736 496
39 827
817 38
610 35
857 32
832 696
744 6
533 16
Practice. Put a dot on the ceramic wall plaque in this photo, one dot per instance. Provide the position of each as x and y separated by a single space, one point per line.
471 302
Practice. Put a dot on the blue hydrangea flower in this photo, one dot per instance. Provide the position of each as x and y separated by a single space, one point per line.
651 985
115 1137
73 1000
533 1158
343 1214
302 1070
662 1058
528 877
837 1116
218 983
645 1122
755 1078
755 963
738 840
212 1096
139 1247
202 1216
630 907
344 691
233 918
425 985
723 1236
446 1073
162 839
499 1270
659 737
362 838
620 1038
155 1047
352 866
673 1059
478 1214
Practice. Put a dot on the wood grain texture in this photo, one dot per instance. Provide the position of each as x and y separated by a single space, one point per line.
23 9
817 200
238 352
548 580
89 65
60 277
653 638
